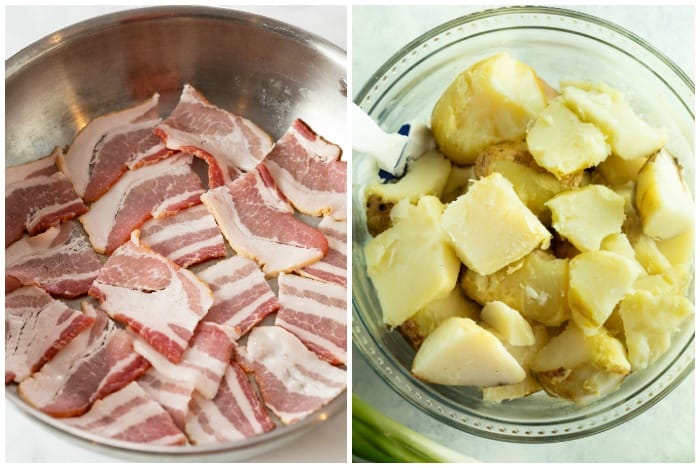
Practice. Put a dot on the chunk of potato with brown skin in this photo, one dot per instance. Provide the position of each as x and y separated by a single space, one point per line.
492 101
537 287
423 322
581 368
662 198
533 184
378 214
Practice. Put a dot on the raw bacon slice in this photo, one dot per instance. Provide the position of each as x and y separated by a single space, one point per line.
242 297
235 413
315 312
36 328
227 142
99 361
187 238
332 267
110 144
158 300
173 395
259 223
130 415
293 381
155 190
59 260
37 197
203 362
308 172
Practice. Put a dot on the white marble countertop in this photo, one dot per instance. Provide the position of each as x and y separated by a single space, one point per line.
28 441
664 433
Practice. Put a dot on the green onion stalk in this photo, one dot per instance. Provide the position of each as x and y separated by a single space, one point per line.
377 438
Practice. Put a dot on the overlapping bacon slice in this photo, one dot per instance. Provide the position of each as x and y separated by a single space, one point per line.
59 260
315 311
259 223
309 173
36 328
332 267
37 197
187 238
109 145
155 298
155 190
227 142
97 362
242 297
235 413
293 381
130 415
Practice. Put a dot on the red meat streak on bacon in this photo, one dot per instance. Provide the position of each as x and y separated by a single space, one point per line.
154 297
315 312
227 142
242 296
37 197
187 238
99 361
235 413
259 223
156 190
37 327
59 260
130 415
109 145
308 172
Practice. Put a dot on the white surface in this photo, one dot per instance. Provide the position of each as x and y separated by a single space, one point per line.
662 434
28 441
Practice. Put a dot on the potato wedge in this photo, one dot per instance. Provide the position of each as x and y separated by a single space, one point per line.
492 101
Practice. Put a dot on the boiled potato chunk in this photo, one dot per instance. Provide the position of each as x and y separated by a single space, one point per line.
563 144
587 215
664 202
457 182
675 280
499 393
460 352
492 101
649 256
597 282
678 250
650 321
426 175
618 171
630 137
537 287
490 227
423 322
618 243
412 263
525 356
508 323
581 368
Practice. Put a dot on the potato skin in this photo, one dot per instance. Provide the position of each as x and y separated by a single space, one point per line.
378 214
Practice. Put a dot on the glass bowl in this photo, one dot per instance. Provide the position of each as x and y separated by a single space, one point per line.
557 44
241 61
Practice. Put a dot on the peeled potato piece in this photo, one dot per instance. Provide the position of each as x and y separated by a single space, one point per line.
460 352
